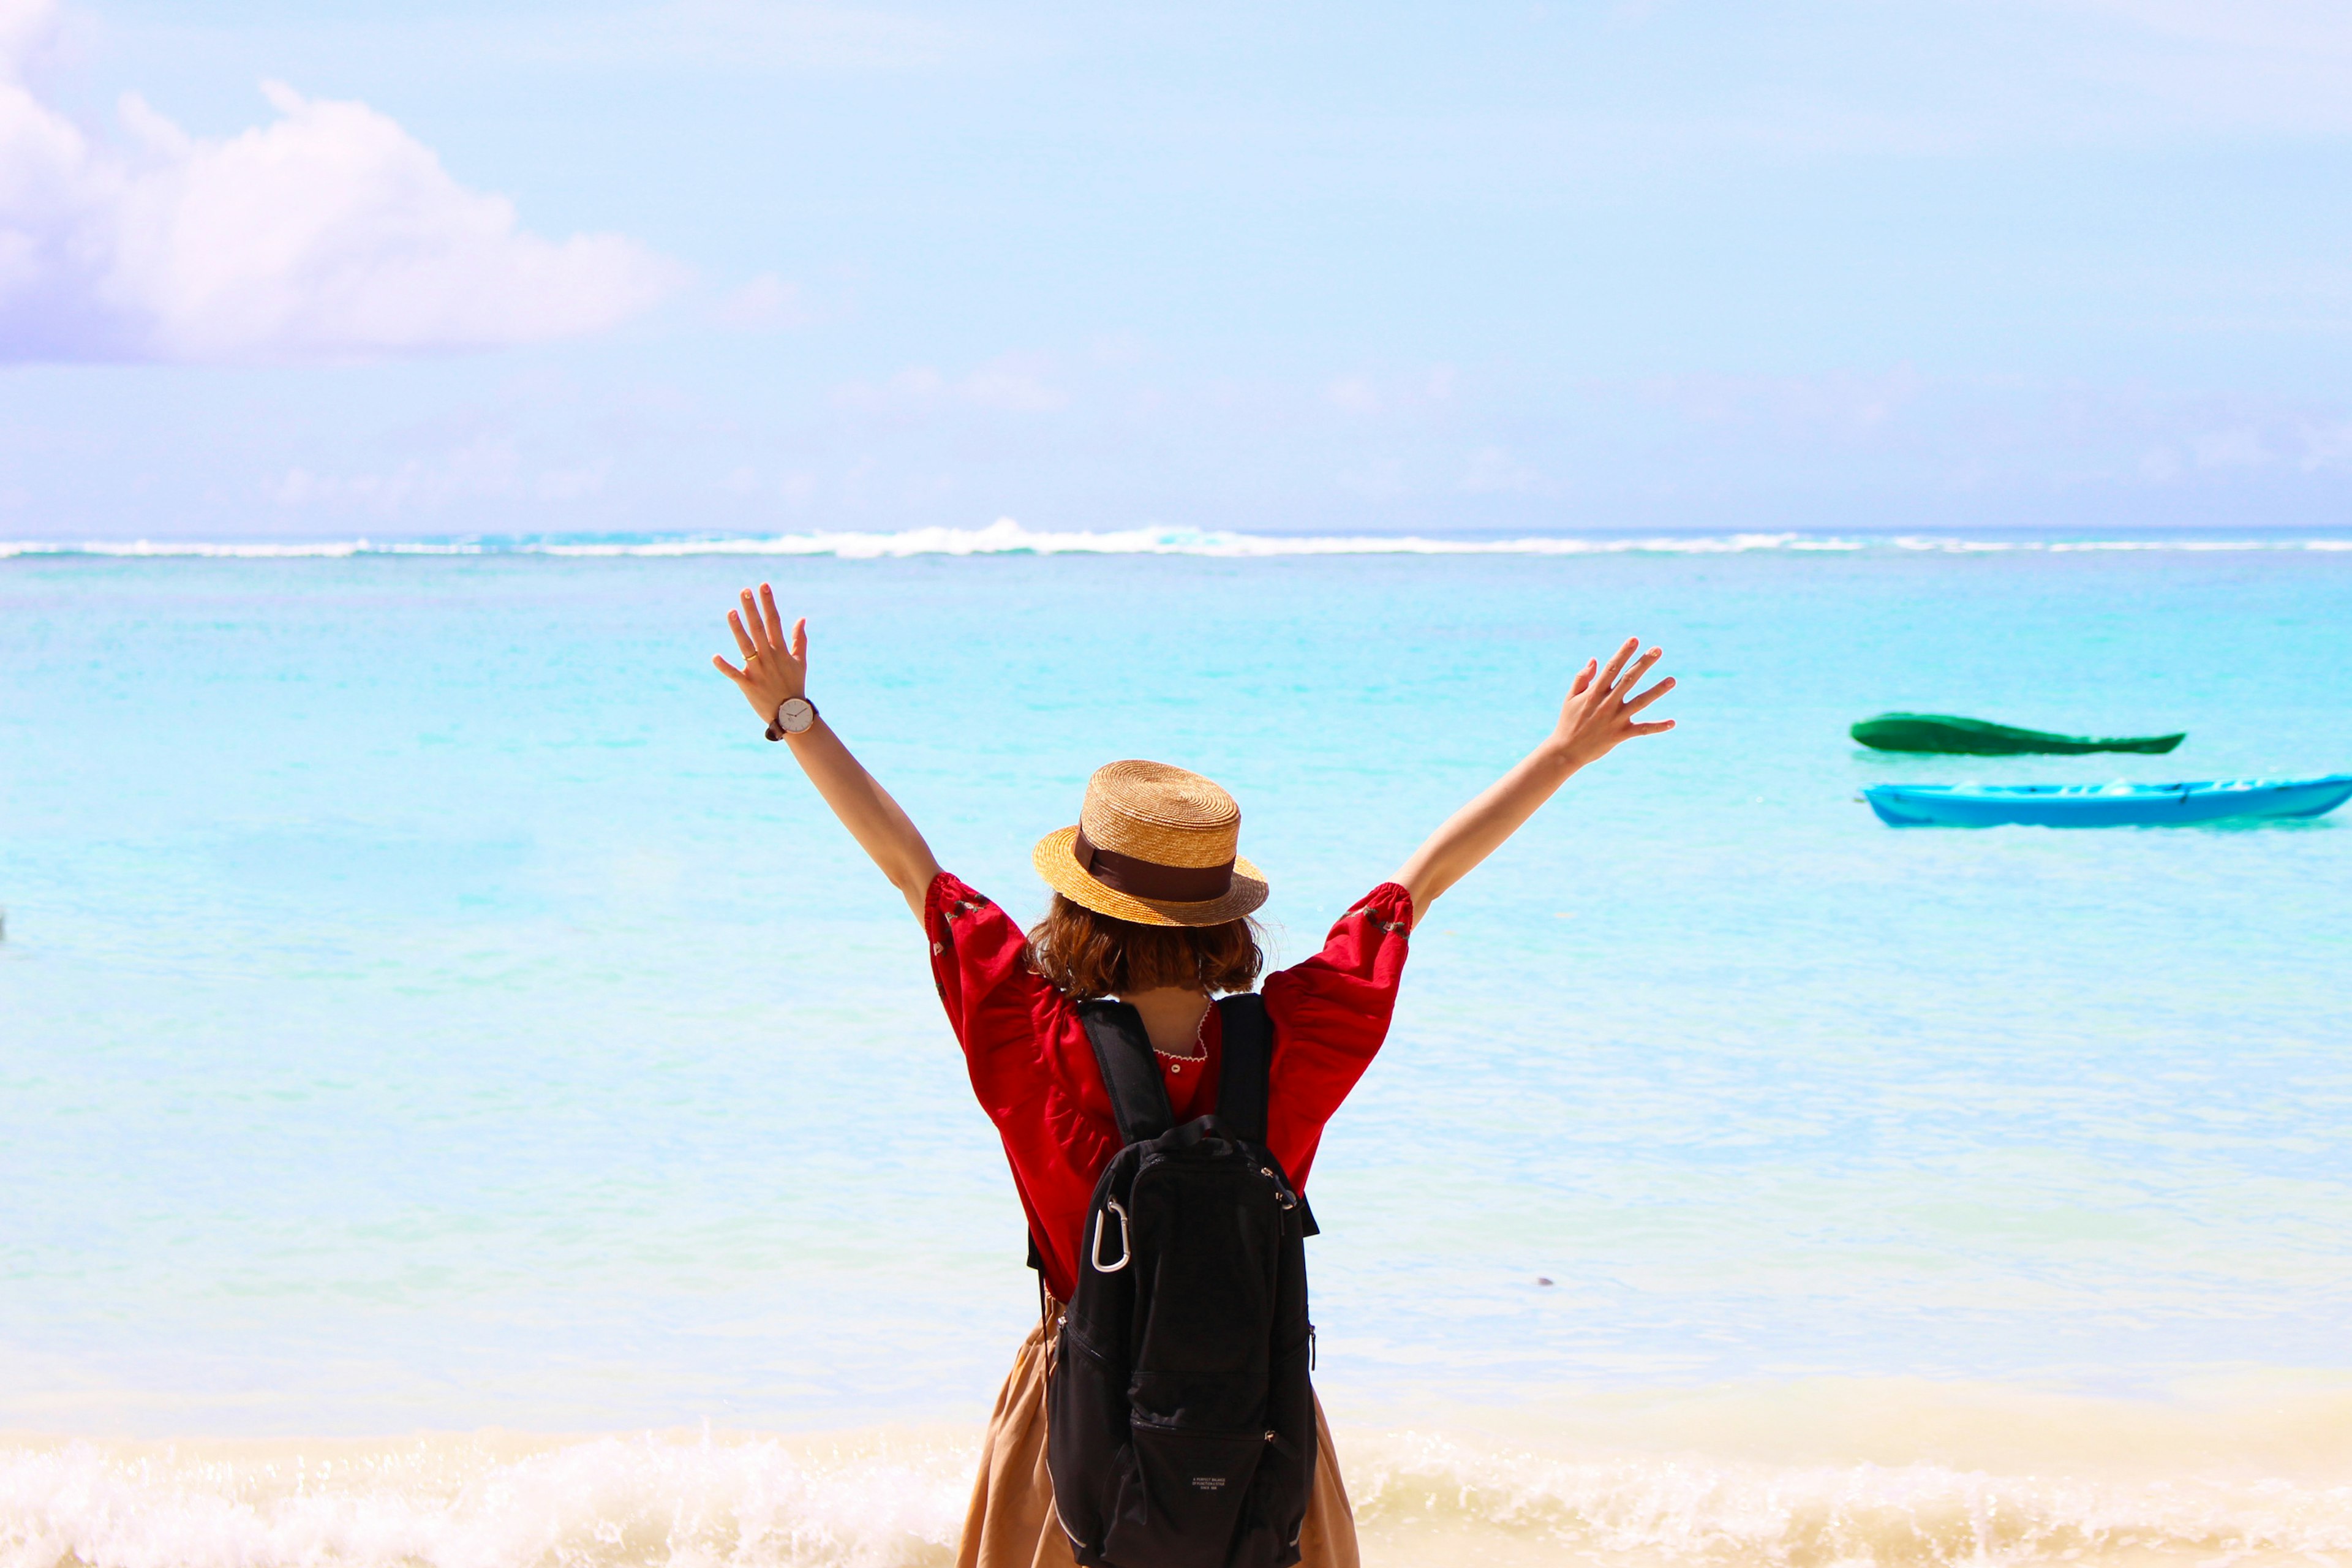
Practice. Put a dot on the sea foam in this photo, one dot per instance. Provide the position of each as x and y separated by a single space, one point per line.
1007 537
484 1502
895 1499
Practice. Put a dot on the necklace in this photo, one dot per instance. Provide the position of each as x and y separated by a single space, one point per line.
1176 1060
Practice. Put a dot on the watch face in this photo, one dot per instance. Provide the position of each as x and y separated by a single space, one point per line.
794 715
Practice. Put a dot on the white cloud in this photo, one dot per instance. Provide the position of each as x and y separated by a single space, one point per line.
1362 394
836 38
745 35
329 232
1120 348
2277 65
2326 445
1840 403
2239 449
1381 478
2291 28
795 487
574 484
767 303
2195 450
2313 444
26 28
1492 470
486 467
1014 384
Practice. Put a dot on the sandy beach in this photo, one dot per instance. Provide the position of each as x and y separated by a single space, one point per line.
2257 1471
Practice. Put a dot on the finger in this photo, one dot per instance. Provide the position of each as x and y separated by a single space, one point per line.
1608 676
1635 671
800 640
751 619
729 670
776 627
1584 678
1660 728
1636 704
742 638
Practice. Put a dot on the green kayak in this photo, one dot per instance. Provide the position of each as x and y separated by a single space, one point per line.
1977 738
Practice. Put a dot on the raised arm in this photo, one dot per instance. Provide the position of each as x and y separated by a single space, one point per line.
1597 714
775 669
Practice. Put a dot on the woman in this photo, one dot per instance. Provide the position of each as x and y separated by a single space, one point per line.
1152 904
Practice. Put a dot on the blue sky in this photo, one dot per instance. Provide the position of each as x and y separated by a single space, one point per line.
722 264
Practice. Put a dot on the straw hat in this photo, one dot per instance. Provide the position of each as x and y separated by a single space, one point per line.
1154 845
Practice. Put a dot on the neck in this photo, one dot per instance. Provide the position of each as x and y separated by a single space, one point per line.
1172 1016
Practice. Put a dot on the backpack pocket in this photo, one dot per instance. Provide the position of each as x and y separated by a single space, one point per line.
1180 1495
1285 1477
1087 1415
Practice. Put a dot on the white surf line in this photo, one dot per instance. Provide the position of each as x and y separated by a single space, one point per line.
1006 536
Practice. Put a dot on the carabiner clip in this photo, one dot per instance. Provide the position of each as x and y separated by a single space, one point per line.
1126 1247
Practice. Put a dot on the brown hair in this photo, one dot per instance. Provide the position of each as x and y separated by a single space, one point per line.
1086 955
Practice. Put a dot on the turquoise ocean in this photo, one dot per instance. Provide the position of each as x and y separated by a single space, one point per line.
464 1101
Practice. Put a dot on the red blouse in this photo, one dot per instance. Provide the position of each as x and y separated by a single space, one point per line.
1035 1074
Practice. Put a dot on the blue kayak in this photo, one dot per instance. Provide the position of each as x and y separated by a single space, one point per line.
2104 806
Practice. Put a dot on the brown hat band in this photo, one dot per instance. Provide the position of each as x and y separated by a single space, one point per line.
1149 879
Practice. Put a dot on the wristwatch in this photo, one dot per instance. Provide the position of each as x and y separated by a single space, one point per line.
793 716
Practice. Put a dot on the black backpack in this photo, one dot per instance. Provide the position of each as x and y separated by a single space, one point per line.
1179 1427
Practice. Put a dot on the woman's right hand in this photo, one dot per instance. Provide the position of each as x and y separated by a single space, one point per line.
774 668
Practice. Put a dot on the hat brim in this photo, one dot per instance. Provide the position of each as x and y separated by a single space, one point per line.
1056 860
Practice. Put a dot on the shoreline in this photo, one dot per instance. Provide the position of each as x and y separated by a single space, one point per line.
1832 1471
2271 1420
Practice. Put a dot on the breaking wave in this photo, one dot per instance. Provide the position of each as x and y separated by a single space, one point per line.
1006 536
895 1498
1442 1494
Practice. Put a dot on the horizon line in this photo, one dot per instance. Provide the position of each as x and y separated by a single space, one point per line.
1008 537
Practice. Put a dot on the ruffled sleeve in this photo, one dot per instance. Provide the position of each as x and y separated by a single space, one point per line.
1330 1015
979 963
1031 1069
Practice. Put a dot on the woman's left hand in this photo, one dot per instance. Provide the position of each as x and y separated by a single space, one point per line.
1598 712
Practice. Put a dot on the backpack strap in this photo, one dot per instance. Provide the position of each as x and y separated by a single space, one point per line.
1244 1072
1129 1071
1244 1065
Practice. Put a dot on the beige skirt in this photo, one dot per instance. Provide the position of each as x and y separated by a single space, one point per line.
1012 1524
